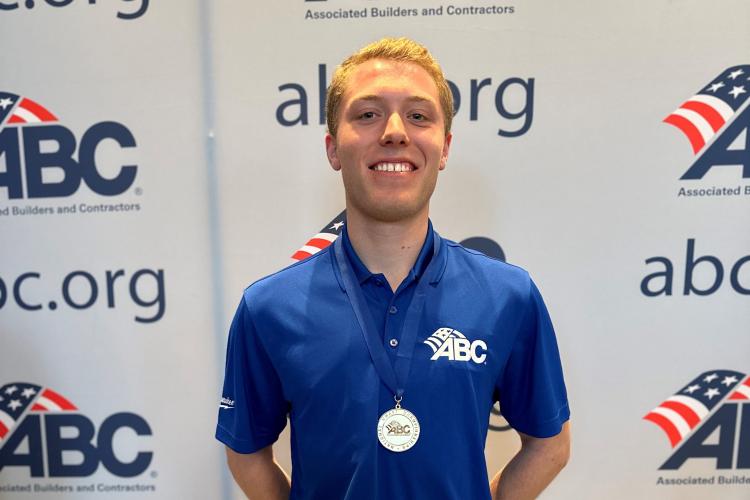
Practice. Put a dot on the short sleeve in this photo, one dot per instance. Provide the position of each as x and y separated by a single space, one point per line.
531 390
253 410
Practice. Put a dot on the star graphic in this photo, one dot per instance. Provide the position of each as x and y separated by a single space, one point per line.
736 91
729 380
337 225
14 404
4 103
716 86
711 393
735 74
692 388
709 378
10 390
28 392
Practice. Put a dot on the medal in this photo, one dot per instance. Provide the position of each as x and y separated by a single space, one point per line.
398 429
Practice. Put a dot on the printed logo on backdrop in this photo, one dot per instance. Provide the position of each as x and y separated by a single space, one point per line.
44 436
342 11
442 341
716 122
702 274
512 99
138 8
707 423
81 290
39 157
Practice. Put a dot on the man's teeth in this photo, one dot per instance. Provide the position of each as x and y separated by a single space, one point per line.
393 167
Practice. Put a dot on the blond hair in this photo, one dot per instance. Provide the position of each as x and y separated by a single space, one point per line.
394 49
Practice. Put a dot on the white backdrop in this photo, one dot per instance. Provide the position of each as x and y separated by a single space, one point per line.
86 66
582 197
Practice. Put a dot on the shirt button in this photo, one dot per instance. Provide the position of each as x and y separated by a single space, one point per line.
378 283
393 342
393 310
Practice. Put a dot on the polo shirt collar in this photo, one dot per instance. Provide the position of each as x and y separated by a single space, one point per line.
363 274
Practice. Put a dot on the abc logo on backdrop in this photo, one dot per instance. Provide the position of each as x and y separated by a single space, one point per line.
35 434
708 418
45 159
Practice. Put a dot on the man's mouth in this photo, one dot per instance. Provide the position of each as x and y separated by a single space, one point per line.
385 166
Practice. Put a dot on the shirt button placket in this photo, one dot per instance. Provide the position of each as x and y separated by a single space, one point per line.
393 341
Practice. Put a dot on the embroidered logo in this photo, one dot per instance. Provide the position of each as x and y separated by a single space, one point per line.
452 344
226 403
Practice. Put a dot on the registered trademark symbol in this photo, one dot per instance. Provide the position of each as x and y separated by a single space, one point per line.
138 191
154 473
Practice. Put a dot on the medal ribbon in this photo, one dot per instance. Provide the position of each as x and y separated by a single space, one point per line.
393 378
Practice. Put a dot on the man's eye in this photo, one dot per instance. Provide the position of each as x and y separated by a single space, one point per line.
367 115
419 117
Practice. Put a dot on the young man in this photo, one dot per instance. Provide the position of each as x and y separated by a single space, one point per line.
388 349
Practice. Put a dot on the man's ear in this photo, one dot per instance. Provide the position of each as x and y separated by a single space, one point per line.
446 149
332 152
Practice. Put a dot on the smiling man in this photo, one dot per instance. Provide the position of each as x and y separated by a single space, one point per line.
388 349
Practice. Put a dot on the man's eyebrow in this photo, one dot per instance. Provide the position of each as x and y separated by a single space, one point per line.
377 98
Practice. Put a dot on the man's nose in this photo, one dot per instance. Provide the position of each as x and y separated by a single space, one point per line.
395 132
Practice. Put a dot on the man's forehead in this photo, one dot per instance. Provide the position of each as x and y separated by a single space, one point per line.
376 77
382 68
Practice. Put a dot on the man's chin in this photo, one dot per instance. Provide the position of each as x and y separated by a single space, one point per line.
393 213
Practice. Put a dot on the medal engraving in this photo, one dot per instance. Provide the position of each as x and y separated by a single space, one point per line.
398 429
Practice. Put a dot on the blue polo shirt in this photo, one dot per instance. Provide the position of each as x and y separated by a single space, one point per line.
388 308
295 349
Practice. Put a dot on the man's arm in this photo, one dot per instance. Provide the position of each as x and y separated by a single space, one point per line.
533 468
259 475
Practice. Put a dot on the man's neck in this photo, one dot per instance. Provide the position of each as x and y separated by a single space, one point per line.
390 248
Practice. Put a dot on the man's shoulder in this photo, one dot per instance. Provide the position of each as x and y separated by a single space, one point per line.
478 261
297 278
486 270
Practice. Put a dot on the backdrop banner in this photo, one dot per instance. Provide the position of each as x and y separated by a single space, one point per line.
108 365
159 157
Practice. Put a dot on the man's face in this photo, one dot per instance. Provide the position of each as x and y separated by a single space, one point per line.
390 142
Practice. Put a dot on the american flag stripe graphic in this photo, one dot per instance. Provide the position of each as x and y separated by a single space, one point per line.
19 397
323 238
702 116
16 109
742 392
314 245
667 425
49 400
6 424
690 410
29 111
682 413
